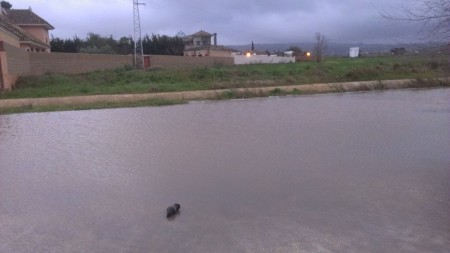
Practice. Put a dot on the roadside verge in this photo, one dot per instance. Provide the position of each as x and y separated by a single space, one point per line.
227 93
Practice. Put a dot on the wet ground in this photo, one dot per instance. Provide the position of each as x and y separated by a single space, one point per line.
332 173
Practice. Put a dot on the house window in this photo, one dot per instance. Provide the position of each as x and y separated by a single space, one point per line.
198 43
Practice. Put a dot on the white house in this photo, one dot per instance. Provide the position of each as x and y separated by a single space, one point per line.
354 52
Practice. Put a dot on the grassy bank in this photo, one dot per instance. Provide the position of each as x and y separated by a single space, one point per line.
149 102
127 80
170 98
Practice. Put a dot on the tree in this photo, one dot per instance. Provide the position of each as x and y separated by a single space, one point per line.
125 45
97 44
433 15
57 44
6 5
295 49
106 49
163 45
320 46
67 46
96 41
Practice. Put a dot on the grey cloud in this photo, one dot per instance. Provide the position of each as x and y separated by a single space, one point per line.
235 21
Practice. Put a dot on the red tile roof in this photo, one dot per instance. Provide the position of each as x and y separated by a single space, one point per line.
23 35
27 17
201 33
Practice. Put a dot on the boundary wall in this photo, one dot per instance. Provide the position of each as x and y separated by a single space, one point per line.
262 59
13 63
16 62
171 61
68 63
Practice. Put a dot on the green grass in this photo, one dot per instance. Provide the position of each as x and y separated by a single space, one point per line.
127 80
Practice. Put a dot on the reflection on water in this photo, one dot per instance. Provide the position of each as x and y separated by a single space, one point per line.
330 173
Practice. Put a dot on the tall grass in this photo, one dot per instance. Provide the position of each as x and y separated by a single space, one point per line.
127 80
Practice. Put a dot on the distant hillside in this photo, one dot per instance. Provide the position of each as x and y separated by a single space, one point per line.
338 49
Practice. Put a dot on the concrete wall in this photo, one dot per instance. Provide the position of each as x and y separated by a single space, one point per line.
14 62
18 60
169 61
261 59
68 63
218 53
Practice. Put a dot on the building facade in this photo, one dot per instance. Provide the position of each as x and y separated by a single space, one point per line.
25 29
202 44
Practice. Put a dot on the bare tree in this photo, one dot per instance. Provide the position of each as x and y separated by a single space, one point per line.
433 15
320 47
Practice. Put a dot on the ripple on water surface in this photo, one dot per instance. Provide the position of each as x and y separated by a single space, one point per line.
328 173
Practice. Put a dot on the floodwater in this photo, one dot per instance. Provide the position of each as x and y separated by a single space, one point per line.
365 172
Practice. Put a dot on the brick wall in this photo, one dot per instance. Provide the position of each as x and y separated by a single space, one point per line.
15 62
68 63
169 61
18 60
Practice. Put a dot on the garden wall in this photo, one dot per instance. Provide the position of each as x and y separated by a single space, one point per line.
262 59
18 59
170 61
15 62
69 63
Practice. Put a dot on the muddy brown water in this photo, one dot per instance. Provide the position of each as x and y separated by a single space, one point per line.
365 172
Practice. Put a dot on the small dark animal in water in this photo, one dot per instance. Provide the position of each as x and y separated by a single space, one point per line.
173 210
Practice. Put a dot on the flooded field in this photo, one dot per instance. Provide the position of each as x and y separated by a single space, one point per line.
366 172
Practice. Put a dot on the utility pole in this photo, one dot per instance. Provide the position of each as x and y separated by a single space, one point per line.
138 50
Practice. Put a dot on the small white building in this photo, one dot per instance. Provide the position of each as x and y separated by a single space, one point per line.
262 59
354 52
288 53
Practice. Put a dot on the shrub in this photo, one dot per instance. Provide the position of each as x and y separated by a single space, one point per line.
362 74
433 64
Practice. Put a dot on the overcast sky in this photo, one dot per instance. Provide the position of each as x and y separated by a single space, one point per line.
235 21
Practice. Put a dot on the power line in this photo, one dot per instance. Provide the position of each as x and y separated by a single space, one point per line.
138 50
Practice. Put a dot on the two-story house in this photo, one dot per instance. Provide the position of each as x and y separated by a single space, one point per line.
25 29
203 43
199 39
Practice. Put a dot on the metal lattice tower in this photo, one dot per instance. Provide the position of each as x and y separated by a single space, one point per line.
138 51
